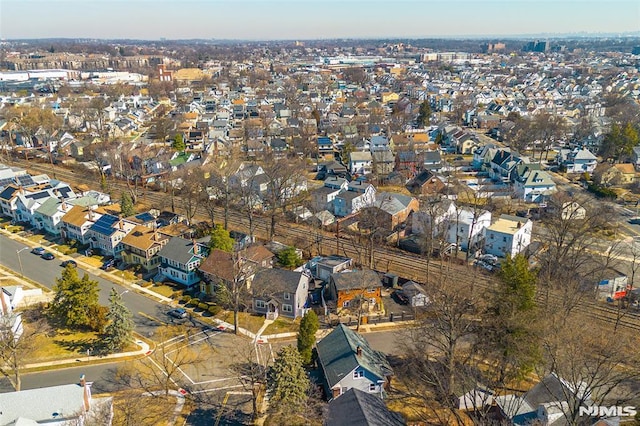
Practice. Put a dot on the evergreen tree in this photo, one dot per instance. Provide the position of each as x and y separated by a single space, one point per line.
424 116
287 382
307 336
221 239
118 332
289 258
178 143
126 205
510 326
76 300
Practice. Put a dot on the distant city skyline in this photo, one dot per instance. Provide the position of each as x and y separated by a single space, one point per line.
312 19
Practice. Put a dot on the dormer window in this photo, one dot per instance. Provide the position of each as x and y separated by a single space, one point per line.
287 296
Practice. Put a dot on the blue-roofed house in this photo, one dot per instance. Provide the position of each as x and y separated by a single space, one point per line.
325 145
107 233
180 259
347 361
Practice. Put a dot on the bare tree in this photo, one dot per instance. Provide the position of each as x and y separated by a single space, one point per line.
253 374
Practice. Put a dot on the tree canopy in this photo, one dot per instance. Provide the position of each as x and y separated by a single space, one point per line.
75 303
619 142
289 258
287 384
221 239
126 205
118 332
307 335
424 116
178 143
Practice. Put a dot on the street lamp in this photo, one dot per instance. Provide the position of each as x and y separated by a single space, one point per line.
20 260
126 291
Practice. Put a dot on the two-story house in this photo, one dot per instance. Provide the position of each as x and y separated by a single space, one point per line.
467 227
141 246
509 235
359 194
348 362
180 259
77 222
393 209
532 184
280 292
360 163
107 233
578 160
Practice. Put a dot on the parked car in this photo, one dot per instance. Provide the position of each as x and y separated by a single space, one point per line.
48 256
38 250
69 262
489 258
108 264
178 313
400 297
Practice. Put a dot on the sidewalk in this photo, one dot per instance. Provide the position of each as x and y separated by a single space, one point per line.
145 349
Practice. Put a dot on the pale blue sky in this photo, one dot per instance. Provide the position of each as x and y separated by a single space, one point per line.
311 19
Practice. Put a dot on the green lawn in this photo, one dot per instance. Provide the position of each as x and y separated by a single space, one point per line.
164 290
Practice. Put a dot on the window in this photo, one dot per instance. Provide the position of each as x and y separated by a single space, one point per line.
504 239
345 304
372 387
260 304
287 308
287 296
358 374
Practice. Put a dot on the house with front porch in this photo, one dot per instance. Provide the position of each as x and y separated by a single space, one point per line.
509 235
141 245
578 160
180 259
360 163
280 292
106 234
532 184
75 224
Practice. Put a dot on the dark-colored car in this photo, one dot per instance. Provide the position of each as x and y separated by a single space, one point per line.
38 250
69 262
108 264
48 256
178 313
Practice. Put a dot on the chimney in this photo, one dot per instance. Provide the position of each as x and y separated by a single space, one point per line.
358 351
90 213
5 307
86 394
519 225
121 224
195 247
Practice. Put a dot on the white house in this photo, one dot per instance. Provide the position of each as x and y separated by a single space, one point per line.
465 227
578 160
360 162
509 235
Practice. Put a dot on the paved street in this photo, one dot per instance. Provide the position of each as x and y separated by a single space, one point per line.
46 271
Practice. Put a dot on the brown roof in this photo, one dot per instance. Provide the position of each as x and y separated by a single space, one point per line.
218 264
113 209
257 253
625 168
143 238
175 230
77 216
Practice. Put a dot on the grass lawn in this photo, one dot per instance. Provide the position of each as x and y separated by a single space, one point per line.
245 320
65 344
36 238
128 275
94 260
163 290
282 325
8 281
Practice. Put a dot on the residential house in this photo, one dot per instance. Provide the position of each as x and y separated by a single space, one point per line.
141 245
322 198
56 405
383 162
483 155
180 259
409 162
355 290
426 183
360 163
415 294
348 362
380 143
325 146
432 160
356 407
578 160
616 174
359 195
503 165
280 292
532 184
394 209
107 233
434 216
467 227
221 267
322 267
509 235
572 211
636 157
548 402
75 224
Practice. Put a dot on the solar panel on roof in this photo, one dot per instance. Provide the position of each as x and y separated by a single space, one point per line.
25 180
104 225
39 195
145 217
6 181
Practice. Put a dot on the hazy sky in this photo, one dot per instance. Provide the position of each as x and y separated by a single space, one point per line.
311 19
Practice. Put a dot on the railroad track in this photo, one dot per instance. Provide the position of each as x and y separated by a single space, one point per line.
386 259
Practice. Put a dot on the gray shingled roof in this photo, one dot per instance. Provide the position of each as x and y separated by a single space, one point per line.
337 354
270 281
356 279
181 250
358 408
